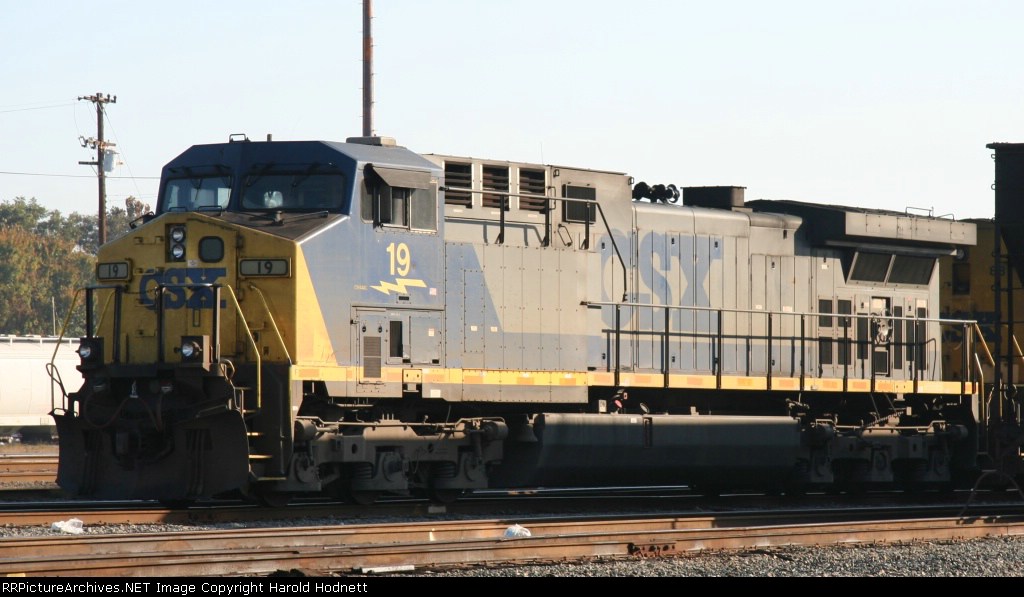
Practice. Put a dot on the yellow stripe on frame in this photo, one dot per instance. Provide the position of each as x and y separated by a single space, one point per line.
439 375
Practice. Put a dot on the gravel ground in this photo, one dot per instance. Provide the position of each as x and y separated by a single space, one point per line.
28 448
982 557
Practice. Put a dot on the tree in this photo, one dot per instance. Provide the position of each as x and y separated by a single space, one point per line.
45 258
23 213
119 220
39 276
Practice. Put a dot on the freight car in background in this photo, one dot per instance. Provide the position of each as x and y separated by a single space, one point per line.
983 283
356 319
27 394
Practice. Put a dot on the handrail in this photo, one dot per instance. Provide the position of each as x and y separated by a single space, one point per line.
67 320
273 323
547 233
106 305
988 353
159 296
255 347
1020 354
982 405
216 332
762 311
718 338
52 365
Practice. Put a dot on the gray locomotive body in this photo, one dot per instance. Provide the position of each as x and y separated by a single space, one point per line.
706 341
357 319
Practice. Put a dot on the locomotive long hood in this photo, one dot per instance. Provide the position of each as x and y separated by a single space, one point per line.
837 226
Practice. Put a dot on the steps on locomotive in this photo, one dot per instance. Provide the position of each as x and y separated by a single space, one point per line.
241 394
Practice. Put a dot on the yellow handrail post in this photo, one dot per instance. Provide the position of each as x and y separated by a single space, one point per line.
255 347
273 323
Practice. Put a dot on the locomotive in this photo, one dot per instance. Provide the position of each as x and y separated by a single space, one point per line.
356 319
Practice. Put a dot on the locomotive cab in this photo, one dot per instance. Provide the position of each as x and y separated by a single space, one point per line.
210 322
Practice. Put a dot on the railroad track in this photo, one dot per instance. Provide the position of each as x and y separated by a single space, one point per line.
366 548
23 468
42 507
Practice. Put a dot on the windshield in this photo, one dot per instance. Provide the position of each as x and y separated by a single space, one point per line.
196 193
294 192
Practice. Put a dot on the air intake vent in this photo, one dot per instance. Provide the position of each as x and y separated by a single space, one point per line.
495 179
371 356
531 182
459 176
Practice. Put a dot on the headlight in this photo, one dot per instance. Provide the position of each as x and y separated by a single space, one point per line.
90 350
195 349
176 243
189 349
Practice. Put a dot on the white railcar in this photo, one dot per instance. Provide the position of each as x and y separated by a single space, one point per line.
28 392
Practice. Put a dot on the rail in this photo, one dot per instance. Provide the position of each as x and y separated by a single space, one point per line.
546 241
913 349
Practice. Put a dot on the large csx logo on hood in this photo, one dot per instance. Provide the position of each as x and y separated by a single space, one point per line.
183 287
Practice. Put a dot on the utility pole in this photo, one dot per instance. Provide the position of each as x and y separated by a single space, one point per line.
367 69
100 145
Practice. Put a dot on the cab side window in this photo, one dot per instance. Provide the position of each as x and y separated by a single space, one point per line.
399 198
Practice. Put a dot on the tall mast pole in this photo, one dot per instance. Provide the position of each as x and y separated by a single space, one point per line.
367 69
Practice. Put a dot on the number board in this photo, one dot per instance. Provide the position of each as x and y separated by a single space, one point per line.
263 267
117 270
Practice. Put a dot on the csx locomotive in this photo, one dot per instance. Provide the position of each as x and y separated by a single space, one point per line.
356 319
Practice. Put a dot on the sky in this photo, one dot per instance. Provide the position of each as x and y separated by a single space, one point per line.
875 104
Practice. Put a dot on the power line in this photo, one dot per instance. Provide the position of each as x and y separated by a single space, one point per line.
77 175
50 107
124 158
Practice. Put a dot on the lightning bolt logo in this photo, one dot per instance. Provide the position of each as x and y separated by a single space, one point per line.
400 286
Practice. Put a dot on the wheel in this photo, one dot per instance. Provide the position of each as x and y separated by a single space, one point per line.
446 496
181 504
272 499
363 497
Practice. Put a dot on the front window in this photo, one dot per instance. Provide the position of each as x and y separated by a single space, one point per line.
294 192
196 193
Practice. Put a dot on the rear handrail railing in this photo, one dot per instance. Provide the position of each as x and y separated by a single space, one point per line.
914 354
